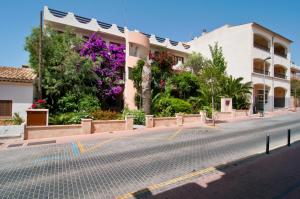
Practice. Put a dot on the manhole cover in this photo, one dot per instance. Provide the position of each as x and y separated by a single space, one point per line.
40 143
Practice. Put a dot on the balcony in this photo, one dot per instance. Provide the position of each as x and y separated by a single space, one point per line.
295 76
279 75
261 42
280 50
280 71
259 71
258 67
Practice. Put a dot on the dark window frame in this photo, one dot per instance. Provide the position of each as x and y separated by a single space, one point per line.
9 109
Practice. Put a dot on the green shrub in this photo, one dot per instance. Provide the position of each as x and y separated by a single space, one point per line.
138 116
17 119
168 106
68 103
68 118
208 111
89 103
105 115
71 102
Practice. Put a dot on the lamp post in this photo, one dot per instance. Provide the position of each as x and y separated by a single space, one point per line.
211 81
264 96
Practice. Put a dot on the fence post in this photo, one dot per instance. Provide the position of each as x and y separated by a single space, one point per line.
179 119
86 126
129 122
267 144
149 121
289 137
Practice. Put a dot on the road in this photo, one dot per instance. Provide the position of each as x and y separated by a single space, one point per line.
114 167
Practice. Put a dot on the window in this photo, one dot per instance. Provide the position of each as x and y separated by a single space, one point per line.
114 43
133 51
177 59
5 108
130 74
85 38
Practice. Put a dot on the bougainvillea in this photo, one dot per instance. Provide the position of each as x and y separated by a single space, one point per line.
38 104
109 61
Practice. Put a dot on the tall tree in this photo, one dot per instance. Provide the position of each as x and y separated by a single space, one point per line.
146 88
196 62
64 69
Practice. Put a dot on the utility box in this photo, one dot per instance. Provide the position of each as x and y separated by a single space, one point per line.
37 117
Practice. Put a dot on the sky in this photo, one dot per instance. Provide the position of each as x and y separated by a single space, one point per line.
179 20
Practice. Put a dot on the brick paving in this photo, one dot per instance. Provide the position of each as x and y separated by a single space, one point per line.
106 167
275 176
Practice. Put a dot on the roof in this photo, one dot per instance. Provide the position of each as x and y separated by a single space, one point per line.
14 74
272 32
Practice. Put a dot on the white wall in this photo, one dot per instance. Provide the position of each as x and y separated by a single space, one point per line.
236 43
21 95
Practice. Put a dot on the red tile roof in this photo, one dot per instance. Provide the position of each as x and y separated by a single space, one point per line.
13 74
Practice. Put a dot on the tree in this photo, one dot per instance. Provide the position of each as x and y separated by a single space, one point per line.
64 69
196 62
212 76
185 85
218 59
238 91
295 89
146 88
161 70
109 62
137 81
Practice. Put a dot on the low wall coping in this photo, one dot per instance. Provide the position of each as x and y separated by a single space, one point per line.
86 119
54 126
106 121
191 115
165 118
39 109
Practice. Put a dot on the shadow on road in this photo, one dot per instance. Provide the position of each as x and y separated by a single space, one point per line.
274 176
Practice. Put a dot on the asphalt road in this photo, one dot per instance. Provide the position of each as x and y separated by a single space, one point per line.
114 167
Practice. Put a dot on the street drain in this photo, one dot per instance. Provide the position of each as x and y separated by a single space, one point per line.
15 145
40 143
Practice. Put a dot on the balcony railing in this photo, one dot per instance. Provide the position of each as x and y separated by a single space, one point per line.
262 47
279 75
295 76
281 54
255 70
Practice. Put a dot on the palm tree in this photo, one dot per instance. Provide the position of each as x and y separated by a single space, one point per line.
238 91
146 88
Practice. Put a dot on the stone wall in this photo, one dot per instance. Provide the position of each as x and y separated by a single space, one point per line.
87 126
178 120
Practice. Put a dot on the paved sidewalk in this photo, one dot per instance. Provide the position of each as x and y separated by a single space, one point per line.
274 176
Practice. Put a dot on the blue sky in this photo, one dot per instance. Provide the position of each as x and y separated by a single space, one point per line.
176 19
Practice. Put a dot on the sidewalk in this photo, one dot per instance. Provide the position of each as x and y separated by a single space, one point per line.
118 134
276 176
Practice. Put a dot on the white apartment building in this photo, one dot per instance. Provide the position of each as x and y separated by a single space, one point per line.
245 48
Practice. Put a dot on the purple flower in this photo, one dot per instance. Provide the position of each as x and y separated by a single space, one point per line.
109 70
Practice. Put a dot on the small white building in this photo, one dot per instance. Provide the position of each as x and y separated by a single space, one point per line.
16 91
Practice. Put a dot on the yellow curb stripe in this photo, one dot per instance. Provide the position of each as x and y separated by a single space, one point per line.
100 144
174 135
81 147
170 182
